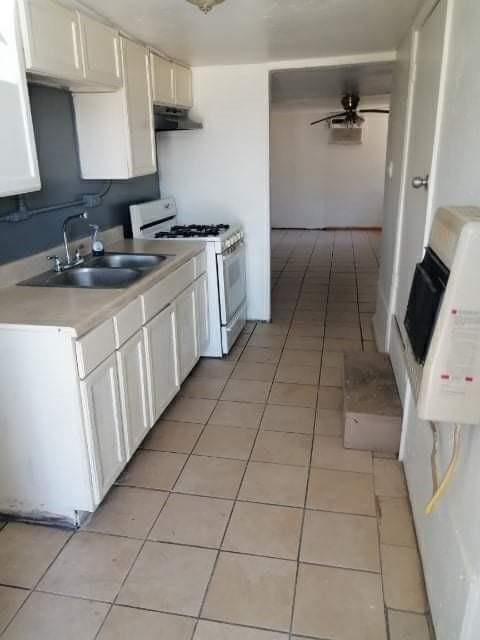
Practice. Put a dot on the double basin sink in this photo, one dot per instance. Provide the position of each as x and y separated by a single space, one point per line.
110 271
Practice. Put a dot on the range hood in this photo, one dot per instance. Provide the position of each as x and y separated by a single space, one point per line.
172 119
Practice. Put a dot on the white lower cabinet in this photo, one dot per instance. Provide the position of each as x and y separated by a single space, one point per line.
161 347
86 402
186 332
132 373
201 311
103 425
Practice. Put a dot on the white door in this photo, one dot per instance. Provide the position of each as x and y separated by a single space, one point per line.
162 80
183 86
139 108
51 39
132 372
103 425
162 360
18 156
420 155
201 311
101 55
186 332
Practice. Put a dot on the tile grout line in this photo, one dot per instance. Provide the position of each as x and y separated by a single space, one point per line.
33 589
234 503
292 613
236 500
146 538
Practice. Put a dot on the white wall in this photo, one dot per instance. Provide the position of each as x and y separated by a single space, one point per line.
315 184
449 539
221 173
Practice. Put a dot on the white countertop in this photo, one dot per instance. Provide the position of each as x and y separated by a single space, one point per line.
83 309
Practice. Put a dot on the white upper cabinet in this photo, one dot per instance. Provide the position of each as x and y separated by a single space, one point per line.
18 156
100 51
116 139
139 108
171 82
51 40
182 77
162 80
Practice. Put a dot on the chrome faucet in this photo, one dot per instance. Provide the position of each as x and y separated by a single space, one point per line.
68 262
68 259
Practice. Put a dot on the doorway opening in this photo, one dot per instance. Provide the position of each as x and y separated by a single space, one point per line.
329 175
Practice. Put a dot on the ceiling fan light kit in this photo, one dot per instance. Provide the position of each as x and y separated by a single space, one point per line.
205 5
350 118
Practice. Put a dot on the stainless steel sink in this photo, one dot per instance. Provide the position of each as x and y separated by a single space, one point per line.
86 277
141 261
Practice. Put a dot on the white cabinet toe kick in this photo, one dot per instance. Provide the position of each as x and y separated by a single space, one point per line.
74 410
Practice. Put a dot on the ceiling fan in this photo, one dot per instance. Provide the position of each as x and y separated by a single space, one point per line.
350 116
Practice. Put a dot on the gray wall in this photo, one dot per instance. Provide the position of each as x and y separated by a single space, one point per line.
55 135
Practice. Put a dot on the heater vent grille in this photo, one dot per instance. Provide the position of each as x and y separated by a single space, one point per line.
346 135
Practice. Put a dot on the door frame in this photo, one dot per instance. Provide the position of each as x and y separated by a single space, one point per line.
424 13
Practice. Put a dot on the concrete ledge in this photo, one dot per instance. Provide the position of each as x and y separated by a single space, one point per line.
373 412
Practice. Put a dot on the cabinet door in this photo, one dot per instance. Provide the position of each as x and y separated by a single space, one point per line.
162 80
162 360
187 332
18 155
183 86
132 372
103 425
51 39
201 311
139 108
100 49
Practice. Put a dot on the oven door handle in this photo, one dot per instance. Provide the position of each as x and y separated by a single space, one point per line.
233 253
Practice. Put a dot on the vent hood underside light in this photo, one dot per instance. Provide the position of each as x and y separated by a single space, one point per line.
171 119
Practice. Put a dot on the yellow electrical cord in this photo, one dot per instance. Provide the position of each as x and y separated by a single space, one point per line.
433 456
448 474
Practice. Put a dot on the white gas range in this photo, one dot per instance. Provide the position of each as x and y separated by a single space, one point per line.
225 250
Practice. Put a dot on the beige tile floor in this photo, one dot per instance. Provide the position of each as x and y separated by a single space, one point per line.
243 517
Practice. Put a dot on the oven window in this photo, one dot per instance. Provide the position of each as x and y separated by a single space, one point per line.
428 286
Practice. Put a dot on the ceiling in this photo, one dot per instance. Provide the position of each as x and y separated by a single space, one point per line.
323 83
248 31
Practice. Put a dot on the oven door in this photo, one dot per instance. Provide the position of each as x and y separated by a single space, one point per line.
231 281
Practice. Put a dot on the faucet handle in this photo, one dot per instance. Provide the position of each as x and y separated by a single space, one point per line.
57 264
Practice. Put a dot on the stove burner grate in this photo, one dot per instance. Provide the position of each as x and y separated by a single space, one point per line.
194 231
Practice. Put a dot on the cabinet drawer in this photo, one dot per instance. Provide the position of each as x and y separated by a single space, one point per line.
127 322
200 263
94 348
160 295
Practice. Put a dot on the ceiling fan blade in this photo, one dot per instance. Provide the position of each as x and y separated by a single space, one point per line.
374 110
332 115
